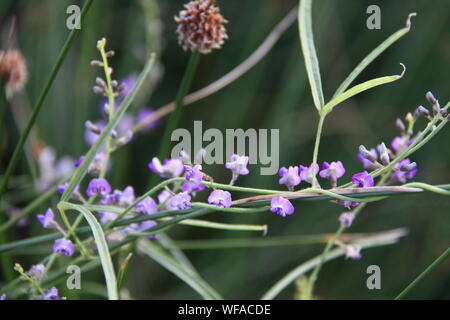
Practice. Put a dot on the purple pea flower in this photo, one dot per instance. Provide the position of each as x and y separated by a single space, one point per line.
306 173
48 219
363 179
147 206
64 246
126 197
346 219
193 173
51 294
98 187
332 171
281 206
349 204
367 157
170 169
404 170
289 177
37 271
180 201
352 252
220 198
238 166
399 142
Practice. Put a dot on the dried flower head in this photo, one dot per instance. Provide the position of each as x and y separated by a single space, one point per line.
13 70
201 26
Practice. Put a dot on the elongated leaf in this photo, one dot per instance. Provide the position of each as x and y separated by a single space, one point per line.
82 169
360 88
373 55
195 282
309 52
102 247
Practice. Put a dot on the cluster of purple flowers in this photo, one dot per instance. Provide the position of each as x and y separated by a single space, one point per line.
294 175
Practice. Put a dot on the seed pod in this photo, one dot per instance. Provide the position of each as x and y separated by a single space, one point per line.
201 27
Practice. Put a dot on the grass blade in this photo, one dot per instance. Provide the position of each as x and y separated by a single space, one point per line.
195 282
82 169
102 247
373 55
426 272
309 52
360 88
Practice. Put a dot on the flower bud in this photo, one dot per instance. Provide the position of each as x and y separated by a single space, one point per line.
367 154
400 125
384 154
430 97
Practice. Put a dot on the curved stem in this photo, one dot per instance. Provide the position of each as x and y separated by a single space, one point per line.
316 150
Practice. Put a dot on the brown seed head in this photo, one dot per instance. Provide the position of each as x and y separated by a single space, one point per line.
13 69
201 27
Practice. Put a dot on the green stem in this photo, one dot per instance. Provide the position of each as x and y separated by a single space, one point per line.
176 115
316 150
425 273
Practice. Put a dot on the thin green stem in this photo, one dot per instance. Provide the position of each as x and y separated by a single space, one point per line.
316 150
424 274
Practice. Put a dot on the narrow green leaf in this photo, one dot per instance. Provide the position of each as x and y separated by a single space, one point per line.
102 247
373 55
309 52
360 88
82 169
195 282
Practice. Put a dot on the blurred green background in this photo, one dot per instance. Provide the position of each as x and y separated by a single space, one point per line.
274 94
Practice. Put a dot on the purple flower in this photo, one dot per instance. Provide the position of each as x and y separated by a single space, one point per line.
193 173
62 188
98 187
306 173
404 170
97 163
349 204
352 252
181 201
220 198
107 217
51 294
346 219
238 166
289 177
281 206
48 219
332 171
170 169
127 85
363 179
399 142
367 157
126 197
64 246
164 196
147 206
143 115
2 297
37 271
